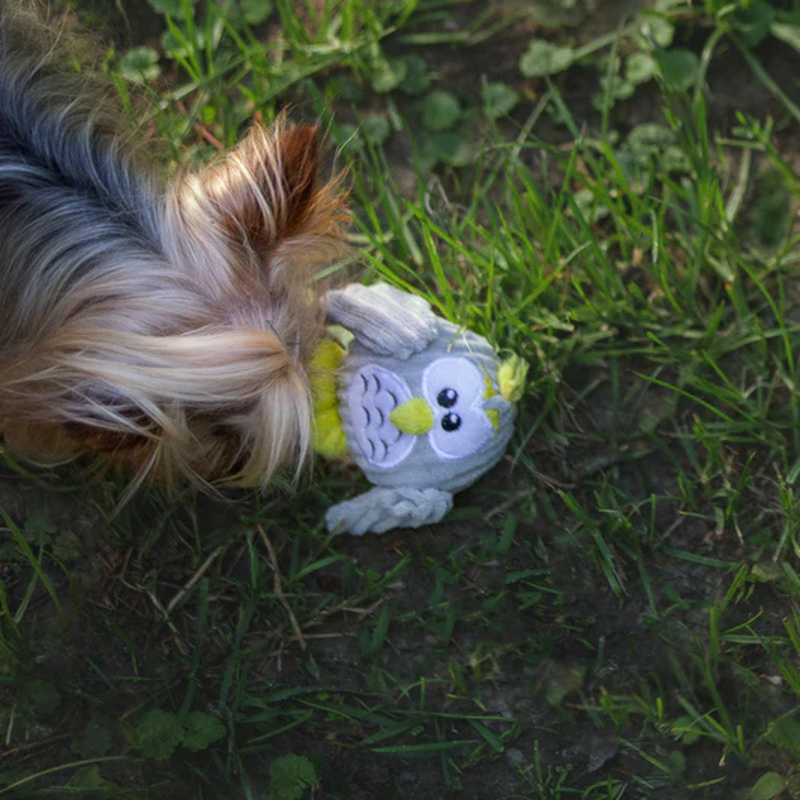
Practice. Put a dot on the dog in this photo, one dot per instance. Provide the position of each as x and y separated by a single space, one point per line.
167 325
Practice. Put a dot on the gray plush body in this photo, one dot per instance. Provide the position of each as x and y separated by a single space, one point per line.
403 352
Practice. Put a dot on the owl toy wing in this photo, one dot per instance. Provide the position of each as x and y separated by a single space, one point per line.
382 509
384 319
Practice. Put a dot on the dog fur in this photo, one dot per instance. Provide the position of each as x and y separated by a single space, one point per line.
165 324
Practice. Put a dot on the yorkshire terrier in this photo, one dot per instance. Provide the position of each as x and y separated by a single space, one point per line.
166 324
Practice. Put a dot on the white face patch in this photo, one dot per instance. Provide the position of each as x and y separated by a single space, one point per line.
373 393
454 387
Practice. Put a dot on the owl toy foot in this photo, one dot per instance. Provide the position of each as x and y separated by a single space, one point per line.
380 510
422 406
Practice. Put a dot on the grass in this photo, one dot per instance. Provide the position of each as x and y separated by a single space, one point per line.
614 610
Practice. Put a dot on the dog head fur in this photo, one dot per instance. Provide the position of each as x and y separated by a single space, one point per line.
167 324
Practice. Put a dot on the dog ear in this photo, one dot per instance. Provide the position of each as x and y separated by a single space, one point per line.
266 190
299 163
260 206
269 185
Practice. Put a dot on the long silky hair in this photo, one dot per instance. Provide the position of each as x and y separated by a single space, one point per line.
167 324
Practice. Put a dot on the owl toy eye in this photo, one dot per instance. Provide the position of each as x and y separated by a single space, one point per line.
447 398
451 422
455 389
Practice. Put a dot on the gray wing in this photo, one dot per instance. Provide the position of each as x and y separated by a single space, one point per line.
380 510
384 319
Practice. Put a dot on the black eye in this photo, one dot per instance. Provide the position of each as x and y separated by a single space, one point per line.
451 422
447 398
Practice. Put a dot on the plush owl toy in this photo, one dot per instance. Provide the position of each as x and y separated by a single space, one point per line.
422 406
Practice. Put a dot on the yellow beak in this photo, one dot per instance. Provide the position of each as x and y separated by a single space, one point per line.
413 417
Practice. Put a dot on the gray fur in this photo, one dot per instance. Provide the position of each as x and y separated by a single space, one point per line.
75 204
